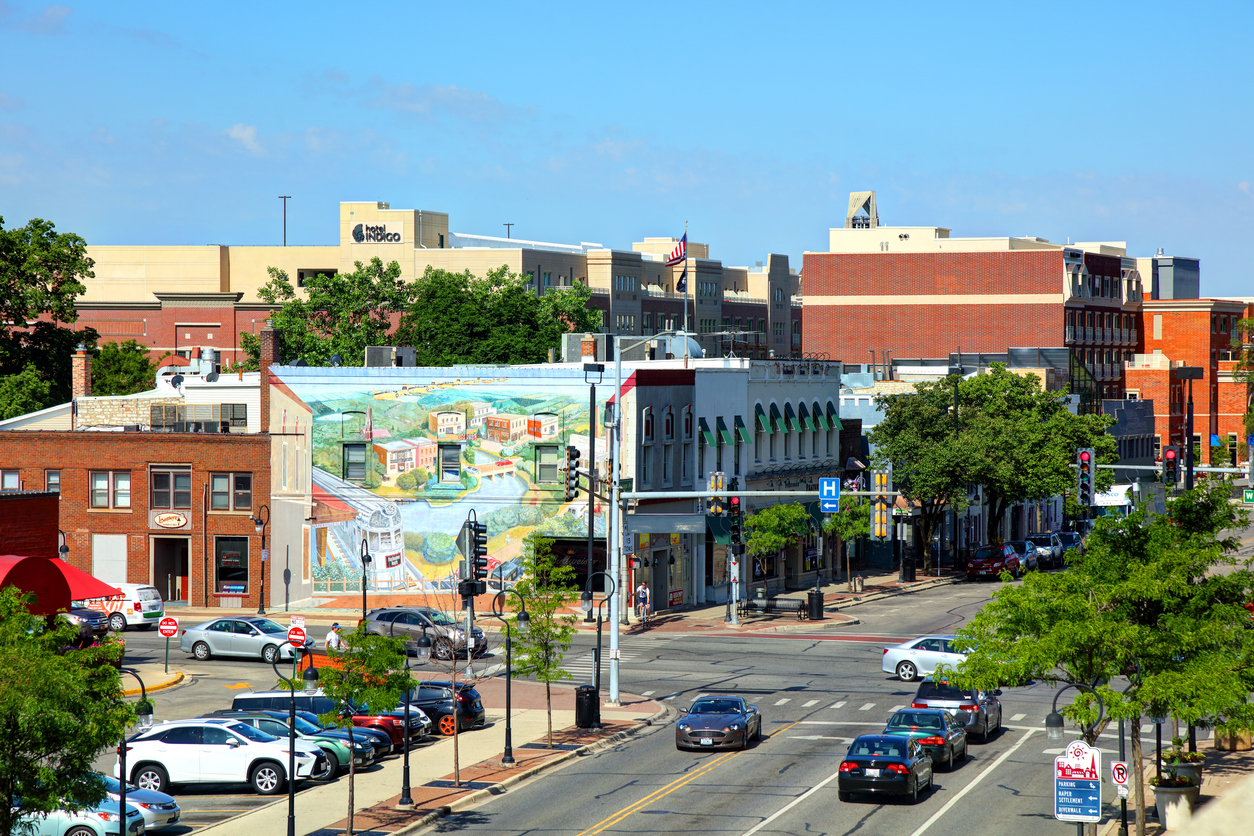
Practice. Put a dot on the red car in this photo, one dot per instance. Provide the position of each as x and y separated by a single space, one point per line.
991 561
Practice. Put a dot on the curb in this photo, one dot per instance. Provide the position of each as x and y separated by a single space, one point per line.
496 789
135 692
919 586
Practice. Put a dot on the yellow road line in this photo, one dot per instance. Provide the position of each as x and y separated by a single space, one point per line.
615 818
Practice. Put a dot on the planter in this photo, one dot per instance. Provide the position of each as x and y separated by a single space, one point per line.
1233 741
1186 770
1175 805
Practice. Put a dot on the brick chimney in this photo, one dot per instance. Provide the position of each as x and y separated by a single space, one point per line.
81 381
269 339
588 348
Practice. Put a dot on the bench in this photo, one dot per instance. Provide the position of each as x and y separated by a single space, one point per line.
765 606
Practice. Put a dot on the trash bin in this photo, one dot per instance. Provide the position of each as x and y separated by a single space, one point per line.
911 569
587 707
816 605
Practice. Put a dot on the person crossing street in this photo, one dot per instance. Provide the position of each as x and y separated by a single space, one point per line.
643 604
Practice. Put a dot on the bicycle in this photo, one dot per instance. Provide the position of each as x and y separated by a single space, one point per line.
642 613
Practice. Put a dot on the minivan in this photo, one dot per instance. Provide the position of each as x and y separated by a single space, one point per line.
139 605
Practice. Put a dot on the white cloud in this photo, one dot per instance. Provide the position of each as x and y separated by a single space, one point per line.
1244 186
49 21
246 135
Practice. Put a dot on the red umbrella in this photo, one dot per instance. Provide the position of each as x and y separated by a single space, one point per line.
32 574
83 585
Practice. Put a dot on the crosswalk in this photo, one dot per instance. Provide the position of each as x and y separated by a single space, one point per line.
630 649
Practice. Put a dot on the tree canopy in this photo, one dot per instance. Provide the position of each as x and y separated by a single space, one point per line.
123 369
548 589
776 527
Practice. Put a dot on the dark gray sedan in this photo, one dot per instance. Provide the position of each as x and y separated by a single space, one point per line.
718 722
255 637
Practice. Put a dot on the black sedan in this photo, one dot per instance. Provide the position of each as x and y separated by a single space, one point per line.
718 722
884 763
936 730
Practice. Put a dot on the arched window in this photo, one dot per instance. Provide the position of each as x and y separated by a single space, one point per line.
668 424
648 423
687 423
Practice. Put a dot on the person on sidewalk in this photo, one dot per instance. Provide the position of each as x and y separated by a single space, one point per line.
642 603
334 640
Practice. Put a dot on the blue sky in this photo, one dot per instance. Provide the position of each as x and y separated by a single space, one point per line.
132 123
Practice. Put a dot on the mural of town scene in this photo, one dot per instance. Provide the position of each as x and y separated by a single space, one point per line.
433 453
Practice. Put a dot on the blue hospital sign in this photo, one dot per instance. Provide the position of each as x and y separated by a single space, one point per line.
829 496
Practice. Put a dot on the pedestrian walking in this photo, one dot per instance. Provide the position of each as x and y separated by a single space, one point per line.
334 640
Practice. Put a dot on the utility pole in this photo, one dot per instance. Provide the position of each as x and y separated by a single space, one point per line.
1189 373
507 227
285 198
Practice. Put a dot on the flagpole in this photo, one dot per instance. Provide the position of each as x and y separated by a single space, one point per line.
686 286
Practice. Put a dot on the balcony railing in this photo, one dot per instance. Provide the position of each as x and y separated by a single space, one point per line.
1070 334
1131 336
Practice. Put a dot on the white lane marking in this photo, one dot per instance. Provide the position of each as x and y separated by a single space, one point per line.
867 707
792 803
840 704
780 702
1146 727
897 708
839 723
958 795
809 703
647 694
818 737
1016 718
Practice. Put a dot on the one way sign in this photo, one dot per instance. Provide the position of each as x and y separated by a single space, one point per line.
829 496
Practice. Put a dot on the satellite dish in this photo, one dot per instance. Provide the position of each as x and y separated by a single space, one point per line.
176 381
336 360
212 377
299 362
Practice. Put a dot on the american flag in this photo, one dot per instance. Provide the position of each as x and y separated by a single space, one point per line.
680 252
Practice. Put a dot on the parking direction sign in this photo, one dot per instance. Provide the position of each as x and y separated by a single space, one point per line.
829 496
1078 783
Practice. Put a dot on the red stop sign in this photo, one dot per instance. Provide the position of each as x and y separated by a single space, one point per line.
296 635
168 627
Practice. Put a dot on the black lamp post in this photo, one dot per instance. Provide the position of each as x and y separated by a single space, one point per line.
955 370
365 563
310 680
260 524
422 651
585 601
1054 721
521 623
143 713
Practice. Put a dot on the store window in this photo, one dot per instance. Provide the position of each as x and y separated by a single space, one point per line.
230 565
450 463
110 489
170 488
230 492
546 464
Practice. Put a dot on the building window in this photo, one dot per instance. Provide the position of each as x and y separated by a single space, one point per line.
646 452
718 456
648 424
1223 324
110 489
546 463
668 425
303 276
736 457
548 279
687 423
667 466
787 446
230 492
772 445
52 480
778 328
757 447
11 480
701 457
450 463
170 488
685 466
230 564
354 462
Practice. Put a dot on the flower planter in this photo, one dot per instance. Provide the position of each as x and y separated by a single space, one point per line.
1185 770
1233 741
1175 805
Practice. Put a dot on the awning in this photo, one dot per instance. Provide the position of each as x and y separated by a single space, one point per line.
720 527
854 463
705 431
763 424
83 585
723 432
793 423
745 435
34 575
804 415
819 420
833 417
777 420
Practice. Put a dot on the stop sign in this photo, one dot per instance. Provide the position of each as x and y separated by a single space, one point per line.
296 635
168 627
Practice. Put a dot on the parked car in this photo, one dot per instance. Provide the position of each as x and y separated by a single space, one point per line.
1071 540
991 561
718 721
937 731
275 724
447 634
1027 555
920 657
1048 548
255 637
978 711
884 763
380 741
92 624
435 698
101 820
391 723
214 751
158 809
139 605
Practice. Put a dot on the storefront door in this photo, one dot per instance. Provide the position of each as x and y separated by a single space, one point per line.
170 567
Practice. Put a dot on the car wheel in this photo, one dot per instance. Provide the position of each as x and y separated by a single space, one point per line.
80 831
914 791
267 778
844 796
961 758
442 649
333 766
949 759
117 622
446 725
270 653
907 672
201 651
151 777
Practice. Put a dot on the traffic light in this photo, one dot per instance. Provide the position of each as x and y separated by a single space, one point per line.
634 562
718 505
1171 465
478 557
1084 459
572 473
882 504
734 513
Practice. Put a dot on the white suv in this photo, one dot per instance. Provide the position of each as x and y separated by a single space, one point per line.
213 751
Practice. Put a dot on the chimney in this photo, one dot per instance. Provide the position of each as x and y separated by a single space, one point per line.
81 380
269 339
588 348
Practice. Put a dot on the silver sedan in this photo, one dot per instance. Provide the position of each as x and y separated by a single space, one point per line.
250 637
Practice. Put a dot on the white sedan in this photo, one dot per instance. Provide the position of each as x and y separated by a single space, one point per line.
920 657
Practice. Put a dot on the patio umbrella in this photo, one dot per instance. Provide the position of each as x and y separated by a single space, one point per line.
83 585
32 574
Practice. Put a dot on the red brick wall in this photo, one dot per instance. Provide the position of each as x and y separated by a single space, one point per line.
30 524
75 454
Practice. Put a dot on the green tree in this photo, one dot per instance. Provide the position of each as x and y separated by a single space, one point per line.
24 392
67 708
340 314
549 589
852 521
370 674
775 527
123 368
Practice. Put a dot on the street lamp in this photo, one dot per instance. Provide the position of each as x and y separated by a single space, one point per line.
365 563
521 623
1189 373
63 549
260 524
956 371
143 714
1054 721
590 369
310 680
422 652
585 601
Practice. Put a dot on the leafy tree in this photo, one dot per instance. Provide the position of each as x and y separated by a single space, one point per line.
775 527
123 369
57 711
340 314
852 521
369 674
26 391
549 589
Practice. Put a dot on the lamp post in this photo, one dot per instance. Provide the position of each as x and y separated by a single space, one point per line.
521 623
1189 373
1054 721
585 601
590 369
365 563
955 370
422 652
143 714
310 680
260 524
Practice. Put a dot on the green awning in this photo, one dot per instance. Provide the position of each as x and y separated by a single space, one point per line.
723 432
804 415
777 420
763 424
793 423
720 527
819 420
833 417
745 435
705 431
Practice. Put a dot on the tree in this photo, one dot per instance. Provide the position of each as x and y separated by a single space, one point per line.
853 520
123 369
369 674
67 708
776 527
548 588
339 314
24 392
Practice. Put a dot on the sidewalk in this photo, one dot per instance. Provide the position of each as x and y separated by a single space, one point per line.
322 809
154 677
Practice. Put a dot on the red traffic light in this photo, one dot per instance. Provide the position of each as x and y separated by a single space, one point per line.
1169 453
1084 455
735 503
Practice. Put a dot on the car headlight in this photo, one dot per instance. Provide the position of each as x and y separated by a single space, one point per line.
682 726
997 565
734 727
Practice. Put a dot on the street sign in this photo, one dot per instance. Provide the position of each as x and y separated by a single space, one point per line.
1078 783
829 496
298 621
1248 496
296 635
168 627
265 555
1119 773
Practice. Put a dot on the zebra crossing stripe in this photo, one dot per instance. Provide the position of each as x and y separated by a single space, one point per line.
1016 718
867 707
897 708
784 700
647 694
809 703
840 704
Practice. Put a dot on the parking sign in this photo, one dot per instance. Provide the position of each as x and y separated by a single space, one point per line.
1078 783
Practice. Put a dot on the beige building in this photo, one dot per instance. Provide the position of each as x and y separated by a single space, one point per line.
451 422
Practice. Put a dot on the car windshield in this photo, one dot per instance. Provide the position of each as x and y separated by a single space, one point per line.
305 727
265 625
246 731
988 553
914 720
1069 539
715 707
440 618
942 691
1017 545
